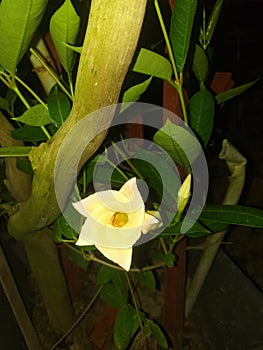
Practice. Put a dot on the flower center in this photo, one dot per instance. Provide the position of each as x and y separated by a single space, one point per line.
119 219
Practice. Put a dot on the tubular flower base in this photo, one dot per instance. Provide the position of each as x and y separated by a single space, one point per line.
114 222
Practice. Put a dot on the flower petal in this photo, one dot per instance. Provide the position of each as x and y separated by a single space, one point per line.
122 257
150 223
82 241
128 199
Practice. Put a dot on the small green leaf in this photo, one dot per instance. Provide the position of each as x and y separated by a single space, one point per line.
181 30
4 104
114 295
58 105
146 278
196 230
212 22
29 133
158 335
77 258
179 143
227 95
134 93
233 214
35 116
126 325
19 20
18 151
200 64
201 114
25 166
105 275
65 229
151 63
64 27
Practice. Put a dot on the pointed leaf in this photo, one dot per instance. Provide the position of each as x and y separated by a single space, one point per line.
196 230
179 143
18 151
25 166
114 295
201 114
158 335
151 63
233 214
64 27
58 105
35 116
181 30
212 22
29 133
146 278
200 64
65 229
134 93
126 324
227 95
19 20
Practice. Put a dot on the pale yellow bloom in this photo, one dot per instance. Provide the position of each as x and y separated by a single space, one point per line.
115 221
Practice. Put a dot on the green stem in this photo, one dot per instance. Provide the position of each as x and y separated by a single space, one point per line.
19 94
50 71
31 92
179 89
71 85
167 41
127 161
134 301
118 169
91 257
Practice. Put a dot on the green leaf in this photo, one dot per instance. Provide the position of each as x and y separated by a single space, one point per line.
77 258
64 27
4 104
227 95
18 151
200 64
35 116
148 163
105 275
114 295
25 166
196 230
126 325
19 20
64 229
29 133
233 214
146 278
179 143
158 335
201 114
58 105
134 93
212 22
151 63
181 30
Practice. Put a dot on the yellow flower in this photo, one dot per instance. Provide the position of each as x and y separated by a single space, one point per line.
115 221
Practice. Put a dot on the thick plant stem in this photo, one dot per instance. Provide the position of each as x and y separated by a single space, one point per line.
45 266
111 38
237 166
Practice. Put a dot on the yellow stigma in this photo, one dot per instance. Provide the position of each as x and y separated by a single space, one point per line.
119 219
